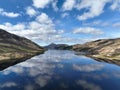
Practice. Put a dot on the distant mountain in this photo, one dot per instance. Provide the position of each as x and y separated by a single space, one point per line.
50 46
58 46
101 49
16 47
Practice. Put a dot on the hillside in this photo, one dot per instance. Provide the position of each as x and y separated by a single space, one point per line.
101 49
58 46
13 47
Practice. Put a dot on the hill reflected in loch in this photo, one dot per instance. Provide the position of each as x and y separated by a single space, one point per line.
60 70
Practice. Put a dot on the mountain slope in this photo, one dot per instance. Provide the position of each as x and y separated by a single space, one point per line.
58 46
102 49
16 47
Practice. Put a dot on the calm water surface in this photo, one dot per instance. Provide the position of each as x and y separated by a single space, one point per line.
60 70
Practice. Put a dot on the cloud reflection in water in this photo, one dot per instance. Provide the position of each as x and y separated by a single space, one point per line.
55 69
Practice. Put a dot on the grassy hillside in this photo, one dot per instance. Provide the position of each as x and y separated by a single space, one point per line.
16 47
102 49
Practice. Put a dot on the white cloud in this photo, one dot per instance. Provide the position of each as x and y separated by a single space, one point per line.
88 68
95 8
10 27
97 23
42 29
43 18
115 5
43 80
44 3
8 84
92 8
41 3
88 30
8 14
54 5
88 85
64 15
116 24
68 4
30 11
93 23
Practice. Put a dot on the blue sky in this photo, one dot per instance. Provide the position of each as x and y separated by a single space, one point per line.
61 21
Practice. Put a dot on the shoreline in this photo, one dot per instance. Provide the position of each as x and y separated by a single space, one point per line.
111 61
107 60
5 63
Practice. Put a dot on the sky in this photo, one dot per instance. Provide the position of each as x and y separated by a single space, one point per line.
61 21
